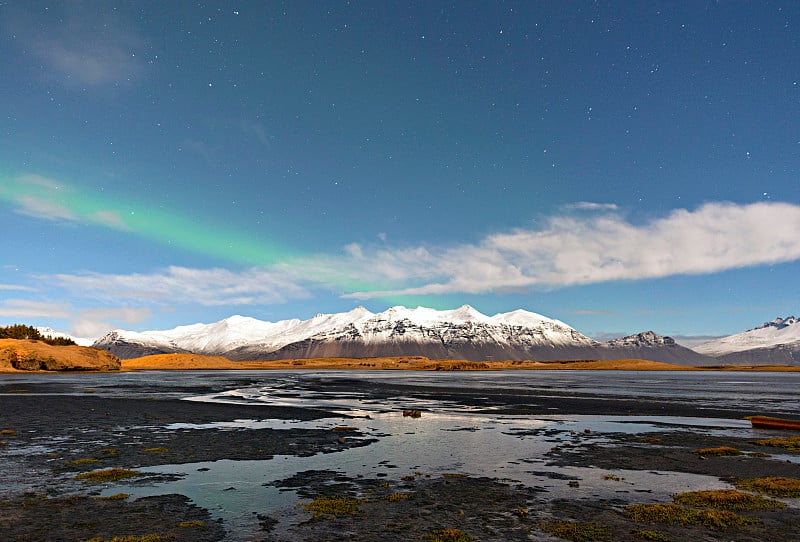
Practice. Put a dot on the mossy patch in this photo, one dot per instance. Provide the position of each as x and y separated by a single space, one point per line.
156 450
774 485
333 506
7 432
673 514
718 451
727 499
612 477
575 531
108 475
791 444
448 535
394 497
454 475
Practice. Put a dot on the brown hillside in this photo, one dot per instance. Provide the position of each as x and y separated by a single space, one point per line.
184 362
25 355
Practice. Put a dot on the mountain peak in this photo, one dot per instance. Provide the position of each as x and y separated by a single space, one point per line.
645 338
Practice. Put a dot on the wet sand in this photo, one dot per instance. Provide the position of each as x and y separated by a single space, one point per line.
60 431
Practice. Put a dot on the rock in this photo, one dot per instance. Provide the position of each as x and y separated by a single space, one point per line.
28 355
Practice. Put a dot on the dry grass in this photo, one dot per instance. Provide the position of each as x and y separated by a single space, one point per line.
727 499
410 363
394 497
156 450
448 535
107 475
719 451
775 485
673 514
332 506
576 532
83 461
193 524
649 535
791 444
114 497
152 537
7 432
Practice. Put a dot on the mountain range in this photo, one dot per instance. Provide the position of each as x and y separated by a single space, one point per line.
462 333
772 343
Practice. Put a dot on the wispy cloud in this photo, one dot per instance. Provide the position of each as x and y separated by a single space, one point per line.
182 285
82 45
592 206
580 249
19 309
17 287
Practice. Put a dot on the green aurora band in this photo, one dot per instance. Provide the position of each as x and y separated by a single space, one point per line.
47 199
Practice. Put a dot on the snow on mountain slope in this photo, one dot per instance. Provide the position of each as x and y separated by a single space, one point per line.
398 325
779 333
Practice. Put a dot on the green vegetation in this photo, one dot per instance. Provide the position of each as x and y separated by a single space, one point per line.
789 443
574 531
22 332
727 499
673 514
652 536
332 506
448 535
774 485
719 451
108 475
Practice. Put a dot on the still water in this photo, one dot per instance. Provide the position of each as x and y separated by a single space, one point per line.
450 437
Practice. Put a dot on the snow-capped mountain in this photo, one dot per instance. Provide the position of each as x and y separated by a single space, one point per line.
776 342
462 333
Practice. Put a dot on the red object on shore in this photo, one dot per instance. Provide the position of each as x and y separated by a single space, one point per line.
768 422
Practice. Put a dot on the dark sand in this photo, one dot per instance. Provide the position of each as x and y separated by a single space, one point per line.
40 500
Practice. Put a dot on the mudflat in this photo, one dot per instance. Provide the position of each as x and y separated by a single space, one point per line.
56 434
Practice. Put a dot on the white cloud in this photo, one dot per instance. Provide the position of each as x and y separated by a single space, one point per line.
43 209
578 249
182 285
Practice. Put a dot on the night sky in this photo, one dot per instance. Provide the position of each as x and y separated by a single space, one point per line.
620 166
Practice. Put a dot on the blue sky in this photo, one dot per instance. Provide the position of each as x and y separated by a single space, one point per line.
619 166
